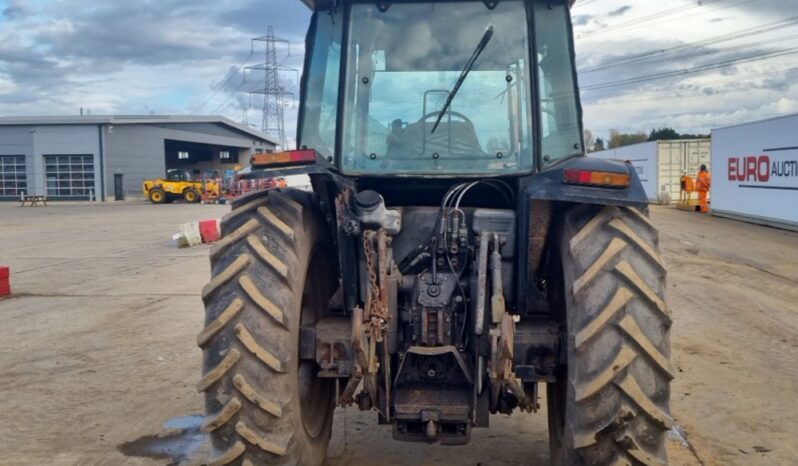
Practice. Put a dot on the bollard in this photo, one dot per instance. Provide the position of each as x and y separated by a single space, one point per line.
209 230
5 281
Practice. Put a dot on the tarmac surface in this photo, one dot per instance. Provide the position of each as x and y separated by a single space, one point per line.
98 356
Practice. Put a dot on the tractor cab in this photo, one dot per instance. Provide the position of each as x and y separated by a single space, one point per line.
178 175
466 88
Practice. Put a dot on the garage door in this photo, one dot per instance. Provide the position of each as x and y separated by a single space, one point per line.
69 176
13 177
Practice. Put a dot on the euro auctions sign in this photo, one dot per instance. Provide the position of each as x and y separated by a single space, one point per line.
756 170
766 171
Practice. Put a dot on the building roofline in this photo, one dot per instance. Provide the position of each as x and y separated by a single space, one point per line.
780 117
657 142
663 141
131 120
321 4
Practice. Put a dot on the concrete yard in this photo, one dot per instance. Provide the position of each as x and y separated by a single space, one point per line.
98 356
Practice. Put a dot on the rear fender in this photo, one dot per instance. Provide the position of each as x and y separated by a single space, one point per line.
549 186
320 166
542 193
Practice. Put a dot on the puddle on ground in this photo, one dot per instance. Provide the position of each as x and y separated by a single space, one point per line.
184 422
178 444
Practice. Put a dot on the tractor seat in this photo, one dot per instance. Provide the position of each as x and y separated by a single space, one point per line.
410 141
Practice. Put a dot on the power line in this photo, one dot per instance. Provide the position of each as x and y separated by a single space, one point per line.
662 16
737 49
692 87
658 15
225 83
655 55
707 94
707 120
671 116
710 124
751 119
226 102
583 3
658 53
697 69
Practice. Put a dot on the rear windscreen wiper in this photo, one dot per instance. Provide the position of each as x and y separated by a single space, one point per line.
480 47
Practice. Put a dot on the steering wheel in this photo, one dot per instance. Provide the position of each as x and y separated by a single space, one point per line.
450 112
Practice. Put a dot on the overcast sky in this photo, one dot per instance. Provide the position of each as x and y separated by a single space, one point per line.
185 57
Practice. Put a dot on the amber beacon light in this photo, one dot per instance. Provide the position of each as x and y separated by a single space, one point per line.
597 178
289 157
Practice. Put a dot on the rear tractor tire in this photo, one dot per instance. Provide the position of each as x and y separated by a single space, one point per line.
610 405
271 274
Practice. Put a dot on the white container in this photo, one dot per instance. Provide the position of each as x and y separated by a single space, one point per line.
301 182
660 164
757 171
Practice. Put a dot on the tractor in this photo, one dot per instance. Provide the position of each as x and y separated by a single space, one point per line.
458 253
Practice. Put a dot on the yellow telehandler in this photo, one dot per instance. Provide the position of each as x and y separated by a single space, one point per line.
178 185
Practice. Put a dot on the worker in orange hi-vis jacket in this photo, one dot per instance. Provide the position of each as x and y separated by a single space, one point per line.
703 185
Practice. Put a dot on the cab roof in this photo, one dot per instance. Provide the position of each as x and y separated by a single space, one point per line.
320 4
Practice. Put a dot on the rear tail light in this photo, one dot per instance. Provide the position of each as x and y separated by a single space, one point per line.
290 157
597 178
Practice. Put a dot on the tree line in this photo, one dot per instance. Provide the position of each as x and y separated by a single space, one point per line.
619 139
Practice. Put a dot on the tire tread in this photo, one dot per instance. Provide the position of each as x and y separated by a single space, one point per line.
618 324
250 331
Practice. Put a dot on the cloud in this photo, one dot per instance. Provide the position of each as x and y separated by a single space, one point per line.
581 20
253 16
779 8
690 102
111 33
170 56
7 86
176 56
14 10
620 11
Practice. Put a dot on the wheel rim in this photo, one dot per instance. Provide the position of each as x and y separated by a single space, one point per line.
190 196
313 399
557 393
315 393
156 197
557 396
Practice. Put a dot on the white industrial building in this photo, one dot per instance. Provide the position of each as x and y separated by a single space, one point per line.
756 171
105 157
661 164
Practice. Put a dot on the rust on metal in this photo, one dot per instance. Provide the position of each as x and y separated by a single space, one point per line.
357 343
497 305
539 225
383 240
482 284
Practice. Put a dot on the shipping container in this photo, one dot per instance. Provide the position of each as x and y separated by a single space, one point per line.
661 164
757 171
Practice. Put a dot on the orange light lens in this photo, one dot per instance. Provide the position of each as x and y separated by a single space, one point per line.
291 157
597 178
